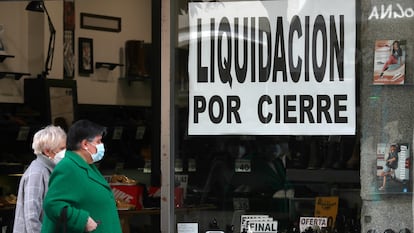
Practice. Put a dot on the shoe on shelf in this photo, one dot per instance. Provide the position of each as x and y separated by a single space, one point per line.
405 230
123 180
284 193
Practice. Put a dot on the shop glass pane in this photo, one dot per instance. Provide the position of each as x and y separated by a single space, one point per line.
224 178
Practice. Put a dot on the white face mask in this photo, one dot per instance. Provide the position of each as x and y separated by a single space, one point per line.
59 156
100 152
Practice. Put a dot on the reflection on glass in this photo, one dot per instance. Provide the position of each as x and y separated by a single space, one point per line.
61 106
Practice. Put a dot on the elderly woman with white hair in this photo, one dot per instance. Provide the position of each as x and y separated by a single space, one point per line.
49 146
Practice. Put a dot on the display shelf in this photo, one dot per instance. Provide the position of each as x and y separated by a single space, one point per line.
15 75
391 85
2 57
135 79
107 65
11 168
15 175
323 175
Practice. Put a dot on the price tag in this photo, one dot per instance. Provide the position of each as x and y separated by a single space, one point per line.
187 227
147 166
192 166
241 203
242 165
23 133
306 222
117 133
140 132
178 165
182 179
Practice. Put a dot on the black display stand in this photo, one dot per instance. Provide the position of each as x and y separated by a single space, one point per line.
40 95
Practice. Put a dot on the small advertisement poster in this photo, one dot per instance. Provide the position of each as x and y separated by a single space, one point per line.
393 168
187 227
327 207
389 62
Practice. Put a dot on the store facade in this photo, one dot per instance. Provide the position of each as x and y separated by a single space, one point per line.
258 116
246 80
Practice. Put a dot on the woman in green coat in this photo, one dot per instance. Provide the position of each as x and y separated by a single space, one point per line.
77 184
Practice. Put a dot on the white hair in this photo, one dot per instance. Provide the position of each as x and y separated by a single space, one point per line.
49 138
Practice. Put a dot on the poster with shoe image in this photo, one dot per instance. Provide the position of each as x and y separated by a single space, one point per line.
393 168
389 62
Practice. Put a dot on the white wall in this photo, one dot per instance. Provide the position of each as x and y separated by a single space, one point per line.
15 39
24 34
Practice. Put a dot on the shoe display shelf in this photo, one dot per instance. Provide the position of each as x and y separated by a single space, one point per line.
3 57
15 75
323 175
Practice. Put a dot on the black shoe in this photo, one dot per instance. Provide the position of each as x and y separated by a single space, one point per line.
315 154
405 230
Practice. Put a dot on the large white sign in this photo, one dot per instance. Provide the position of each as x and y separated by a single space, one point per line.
272 68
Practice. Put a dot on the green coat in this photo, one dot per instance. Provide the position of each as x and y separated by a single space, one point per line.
81 187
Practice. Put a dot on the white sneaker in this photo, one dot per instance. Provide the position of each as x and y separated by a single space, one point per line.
289 193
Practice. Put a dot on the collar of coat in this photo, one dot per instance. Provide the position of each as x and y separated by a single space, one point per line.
46 161
90 169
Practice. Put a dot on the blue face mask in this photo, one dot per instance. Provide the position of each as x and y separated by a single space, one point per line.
100 152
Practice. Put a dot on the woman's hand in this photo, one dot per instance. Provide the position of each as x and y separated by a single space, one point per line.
91 225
